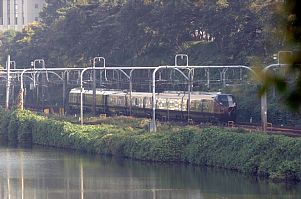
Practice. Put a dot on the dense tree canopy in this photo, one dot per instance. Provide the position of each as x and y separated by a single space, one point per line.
151 32
148 32
293 94
288 27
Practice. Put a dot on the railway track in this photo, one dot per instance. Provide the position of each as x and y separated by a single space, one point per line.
277 130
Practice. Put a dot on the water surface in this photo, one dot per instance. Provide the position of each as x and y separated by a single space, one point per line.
48 173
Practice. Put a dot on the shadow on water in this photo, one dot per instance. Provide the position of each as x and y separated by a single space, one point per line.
41 173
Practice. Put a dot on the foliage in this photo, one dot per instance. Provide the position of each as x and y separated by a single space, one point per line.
129 32
289 83
143 32
248 108
12 130
293 94
276 157
258 154
4 122
6 45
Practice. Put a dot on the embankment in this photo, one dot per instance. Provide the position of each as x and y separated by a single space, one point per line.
275 157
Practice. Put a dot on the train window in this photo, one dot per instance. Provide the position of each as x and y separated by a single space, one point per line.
226 100
113 101
88 99
163 103
231 101
200 107
223 99
160 103
98 99
120 101
138 102
193 105
147 102
205 105
133 101
144 102
73 98
174 104
77 96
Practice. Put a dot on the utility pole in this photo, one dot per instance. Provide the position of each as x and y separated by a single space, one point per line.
65 83
12 66
264 115
94 80
8 82
264 106
94 91
208 77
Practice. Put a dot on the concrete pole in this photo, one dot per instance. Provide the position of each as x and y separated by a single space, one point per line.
264 115
208 77
150 82
7 83
22 90
131 90
82 96
264 108
65 82
94 80
153 122
43 91
224 77
190 77
94 92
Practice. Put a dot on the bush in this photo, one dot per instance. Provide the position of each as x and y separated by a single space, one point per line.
259 154
12 133
277 157
4 122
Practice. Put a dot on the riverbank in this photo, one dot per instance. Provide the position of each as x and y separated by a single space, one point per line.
275 157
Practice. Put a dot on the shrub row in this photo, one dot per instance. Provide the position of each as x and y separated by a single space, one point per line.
276 157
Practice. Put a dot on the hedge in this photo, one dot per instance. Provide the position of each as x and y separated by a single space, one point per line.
273 156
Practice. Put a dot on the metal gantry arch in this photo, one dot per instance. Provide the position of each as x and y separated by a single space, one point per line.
129 76
19 73
124 70
31 71
153 122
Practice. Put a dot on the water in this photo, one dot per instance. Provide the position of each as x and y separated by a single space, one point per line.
54 174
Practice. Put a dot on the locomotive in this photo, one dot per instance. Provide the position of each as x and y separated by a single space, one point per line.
170 105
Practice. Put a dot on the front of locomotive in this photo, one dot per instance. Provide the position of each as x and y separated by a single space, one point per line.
228 106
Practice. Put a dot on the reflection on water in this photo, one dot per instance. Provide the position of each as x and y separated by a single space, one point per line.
46 173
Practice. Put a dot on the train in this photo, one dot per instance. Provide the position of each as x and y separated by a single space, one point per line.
170 105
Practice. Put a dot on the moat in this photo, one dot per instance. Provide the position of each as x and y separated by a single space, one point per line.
41 173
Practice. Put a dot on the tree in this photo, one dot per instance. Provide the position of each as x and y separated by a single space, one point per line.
6 40
294 36
289 84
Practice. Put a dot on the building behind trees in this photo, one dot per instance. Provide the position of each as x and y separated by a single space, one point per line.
15 14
